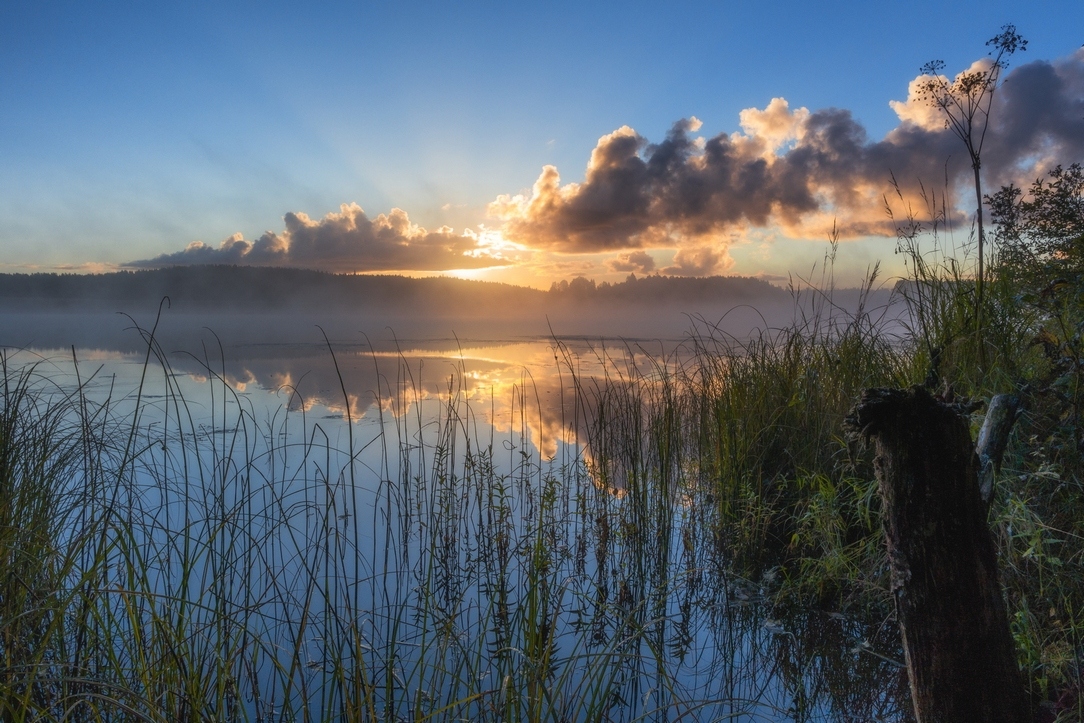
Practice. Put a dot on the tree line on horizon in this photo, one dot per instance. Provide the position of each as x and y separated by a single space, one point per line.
269 288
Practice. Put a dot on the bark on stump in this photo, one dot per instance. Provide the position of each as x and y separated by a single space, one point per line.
960 655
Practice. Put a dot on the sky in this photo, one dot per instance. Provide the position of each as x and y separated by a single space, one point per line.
517 142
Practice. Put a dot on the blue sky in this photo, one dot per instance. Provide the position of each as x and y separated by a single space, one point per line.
130 130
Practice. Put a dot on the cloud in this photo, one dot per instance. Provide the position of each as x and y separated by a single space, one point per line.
703 261
342 242
635 261
1039 116
775 126
918 111
802 171
612 203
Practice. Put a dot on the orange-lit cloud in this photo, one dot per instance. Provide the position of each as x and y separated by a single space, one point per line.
918 111
634 261
802 172
791 168
702 261
775 126
342 242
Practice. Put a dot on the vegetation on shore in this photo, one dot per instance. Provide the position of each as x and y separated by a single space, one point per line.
717 531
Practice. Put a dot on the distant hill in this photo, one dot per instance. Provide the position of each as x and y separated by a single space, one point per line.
256 289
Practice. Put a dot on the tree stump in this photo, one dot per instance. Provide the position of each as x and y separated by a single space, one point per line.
959 651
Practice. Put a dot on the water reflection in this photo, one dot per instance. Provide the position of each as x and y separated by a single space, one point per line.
456 531
550 387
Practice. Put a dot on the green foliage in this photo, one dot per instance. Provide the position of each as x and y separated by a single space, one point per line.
1040 234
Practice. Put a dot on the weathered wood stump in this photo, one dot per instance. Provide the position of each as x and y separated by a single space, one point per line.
959 651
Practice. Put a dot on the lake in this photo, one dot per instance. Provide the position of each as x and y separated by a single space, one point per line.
432 527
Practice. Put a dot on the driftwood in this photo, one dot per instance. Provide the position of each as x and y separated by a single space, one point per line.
959 650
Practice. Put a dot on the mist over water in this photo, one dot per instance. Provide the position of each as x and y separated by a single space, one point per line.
337 359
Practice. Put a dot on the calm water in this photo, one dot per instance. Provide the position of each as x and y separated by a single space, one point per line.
438 494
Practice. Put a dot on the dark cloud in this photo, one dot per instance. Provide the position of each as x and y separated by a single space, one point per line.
1040 118
803 171
635 261
341 242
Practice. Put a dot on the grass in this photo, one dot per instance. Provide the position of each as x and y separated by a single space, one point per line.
704 545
